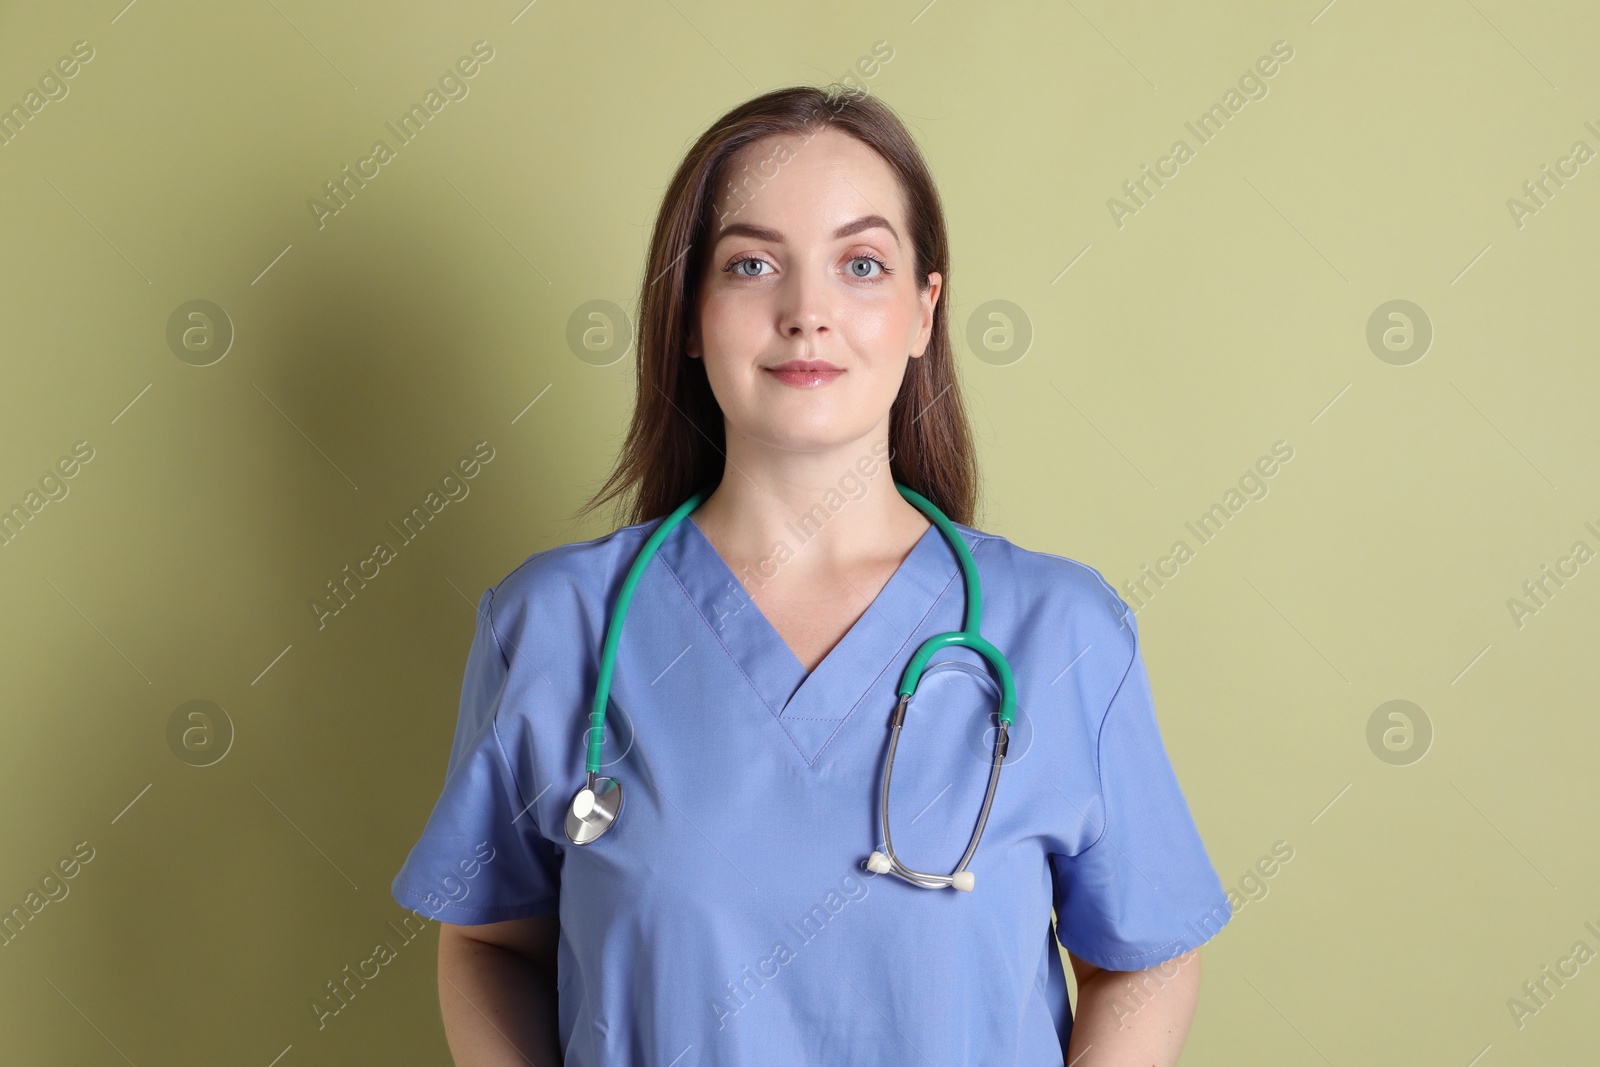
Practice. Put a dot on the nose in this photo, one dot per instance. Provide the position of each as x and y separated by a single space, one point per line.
805 306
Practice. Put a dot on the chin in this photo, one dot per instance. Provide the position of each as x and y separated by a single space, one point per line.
824 436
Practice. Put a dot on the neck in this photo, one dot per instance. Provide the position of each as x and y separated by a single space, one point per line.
811 514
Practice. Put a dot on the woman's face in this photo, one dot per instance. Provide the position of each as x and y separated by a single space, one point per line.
812 267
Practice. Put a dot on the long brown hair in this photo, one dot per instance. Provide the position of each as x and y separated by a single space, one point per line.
675 444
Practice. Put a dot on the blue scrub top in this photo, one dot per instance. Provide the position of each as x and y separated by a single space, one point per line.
728 917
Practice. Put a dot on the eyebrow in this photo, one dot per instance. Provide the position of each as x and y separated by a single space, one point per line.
763 233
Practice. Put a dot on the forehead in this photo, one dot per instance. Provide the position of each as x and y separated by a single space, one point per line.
804 188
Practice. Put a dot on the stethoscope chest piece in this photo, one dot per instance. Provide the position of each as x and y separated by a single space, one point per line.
594 809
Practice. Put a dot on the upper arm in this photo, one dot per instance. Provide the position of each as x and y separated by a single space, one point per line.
1082 969
535 938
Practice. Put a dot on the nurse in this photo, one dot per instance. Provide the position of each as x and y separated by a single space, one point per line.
794 360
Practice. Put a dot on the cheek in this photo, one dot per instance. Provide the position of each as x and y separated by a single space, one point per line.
877 329
727 322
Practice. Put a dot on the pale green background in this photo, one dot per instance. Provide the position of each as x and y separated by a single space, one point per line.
1230 313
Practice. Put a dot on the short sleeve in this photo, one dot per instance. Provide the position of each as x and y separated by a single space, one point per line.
1144 891
481 858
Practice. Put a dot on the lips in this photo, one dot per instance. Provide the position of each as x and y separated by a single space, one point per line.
805 373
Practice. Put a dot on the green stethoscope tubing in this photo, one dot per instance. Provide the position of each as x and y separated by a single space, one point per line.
608 651
968 636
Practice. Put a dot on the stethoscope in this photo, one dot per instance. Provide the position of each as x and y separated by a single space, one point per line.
598 803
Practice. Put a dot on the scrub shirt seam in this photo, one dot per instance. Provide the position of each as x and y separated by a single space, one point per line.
1147 952
718 638
1099 744
523 906
1124 618
499 744
499 645
1100 780
740 667
591 542
533 819
1181 940
979 538
847 716
518 568
733 659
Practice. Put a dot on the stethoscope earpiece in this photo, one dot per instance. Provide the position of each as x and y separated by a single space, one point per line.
878 863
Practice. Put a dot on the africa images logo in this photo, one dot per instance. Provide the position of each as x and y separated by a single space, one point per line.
451 488
1252 85
453 85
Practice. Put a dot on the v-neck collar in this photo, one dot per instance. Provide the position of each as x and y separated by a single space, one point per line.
876 643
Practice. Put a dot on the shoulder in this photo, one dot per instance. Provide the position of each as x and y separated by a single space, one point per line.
1047 590
576 561
1061 573
567 582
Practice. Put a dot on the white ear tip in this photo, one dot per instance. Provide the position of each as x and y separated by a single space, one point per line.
878 863
962 880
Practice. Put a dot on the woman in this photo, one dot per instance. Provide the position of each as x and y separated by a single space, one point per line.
795 358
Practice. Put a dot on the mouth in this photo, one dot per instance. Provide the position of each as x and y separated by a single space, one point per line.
805 373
